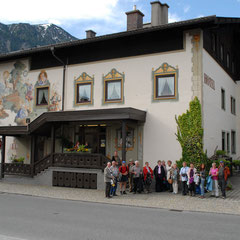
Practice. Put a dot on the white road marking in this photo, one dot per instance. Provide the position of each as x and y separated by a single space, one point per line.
4 237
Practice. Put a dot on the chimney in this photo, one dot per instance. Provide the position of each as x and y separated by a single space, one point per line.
90 34
134 19
159 13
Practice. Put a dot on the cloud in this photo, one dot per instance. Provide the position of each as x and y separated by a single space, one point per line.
186 9
56 11
173 17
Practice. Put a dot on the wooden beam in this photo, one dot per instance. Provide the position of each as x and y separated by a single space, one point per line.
123 140
3 155
33 147
52 142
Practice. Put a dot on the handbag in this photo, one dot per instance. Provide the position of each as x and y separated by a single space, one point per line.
170 181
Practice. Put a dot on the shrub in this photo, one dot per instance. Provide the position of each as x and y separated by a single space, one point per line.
236 162
220 152
190 135
226 162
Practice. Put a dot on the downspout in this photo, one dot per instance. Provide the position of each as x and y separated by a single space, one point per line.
64 76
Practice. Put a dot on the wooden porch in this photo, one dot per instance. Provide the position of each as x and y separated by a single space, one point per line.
48 123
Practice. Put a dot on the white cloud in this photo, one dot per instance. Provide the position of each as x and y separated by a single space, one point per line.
186 9
56 11
172 17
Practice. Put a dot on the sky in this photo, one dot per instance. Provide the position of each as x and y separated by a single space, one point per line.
106 16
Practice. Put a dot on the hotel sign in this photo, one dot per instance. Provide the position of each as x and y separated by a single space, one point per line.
209 81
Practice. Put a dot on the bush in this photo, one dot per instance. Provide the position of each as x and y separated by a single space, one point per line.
220 153
236 162
190 135
226 162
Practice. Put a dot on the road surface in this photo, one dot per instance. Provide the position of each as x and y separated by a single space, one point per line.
30 218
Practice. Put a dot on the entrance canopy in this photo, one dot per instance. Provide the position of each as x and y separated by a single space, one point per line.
44 121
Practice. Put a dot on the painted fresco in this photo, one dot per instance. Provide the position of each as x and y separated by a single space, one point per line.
55 100
17 94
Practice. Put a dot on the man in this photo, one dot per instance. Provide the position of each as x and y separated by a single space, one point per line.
184 178
223 173
116 158
115 173
159 174
123 181
130 168
107 179
137 172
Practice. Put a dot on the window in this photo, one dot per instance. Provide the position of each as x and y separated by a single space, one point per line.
228 143
223 99
233 142
233 105
228 60
223 141
129 138
113 87
42 96
165 86
84 89
113 90
165 83
221 52
214 40
84 93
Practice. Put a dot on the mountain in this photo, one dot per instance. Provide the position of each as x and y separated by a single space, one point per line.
20 36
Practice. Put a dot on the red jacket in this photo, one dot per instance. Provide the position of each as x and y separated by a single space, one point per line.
145 171
226 172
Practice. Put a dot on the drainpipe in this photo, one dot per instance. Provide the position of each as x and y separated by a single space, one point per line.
64 75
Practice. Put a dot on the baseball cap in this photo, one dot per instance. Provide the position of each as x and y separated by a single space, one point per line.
221 161
123 162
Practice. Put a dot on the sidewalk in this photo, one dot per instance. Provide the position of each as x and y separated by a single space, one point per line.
165 200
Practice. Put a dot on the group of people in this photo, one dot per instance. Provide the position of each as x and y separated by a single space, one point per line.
131 174
167 178
191 178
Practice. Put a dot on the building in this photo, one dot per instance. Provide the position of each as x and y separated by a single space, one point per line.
119 92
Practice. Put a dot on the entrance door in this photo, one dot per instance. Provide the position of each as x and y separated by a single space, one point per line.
39 149
93 136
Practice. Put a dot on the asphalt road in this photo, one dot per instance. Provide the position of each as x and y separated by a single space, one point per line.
26 217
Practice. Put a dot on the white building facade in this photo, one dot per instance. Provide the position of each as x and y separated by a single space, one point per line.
156 69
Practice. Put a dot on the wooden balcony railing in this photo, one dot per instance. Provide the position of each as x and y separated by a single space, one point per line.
71 160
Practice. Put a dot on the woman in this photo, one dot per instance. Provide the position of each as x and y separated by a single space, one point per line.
148 176
214 174
174 175
191 177
169 177
165 182
202 175
123 181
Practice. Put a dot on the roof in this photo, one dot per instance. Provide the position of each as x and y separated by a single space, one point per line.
44 121
187 24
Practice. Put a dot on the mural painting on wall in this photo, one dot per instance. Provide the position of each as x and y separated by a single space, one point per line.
16 93
55 98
